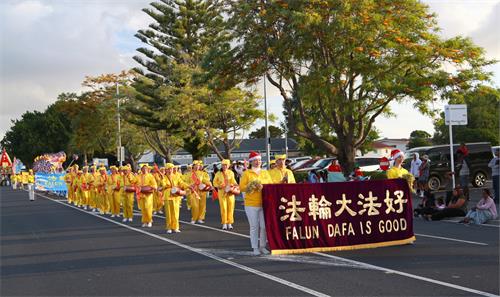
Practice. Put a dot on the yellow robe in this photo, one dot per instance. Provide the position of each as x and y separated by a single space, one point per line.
198 197
115 184
277 175
172 202
254 198
146 200
226 200
129 180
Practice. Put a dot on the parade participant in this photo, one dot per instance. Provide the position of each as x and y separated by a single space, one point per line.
114 186
74 178
84 186
68 180
158 202
186 177
92 177
227 187
173 190
200 185
129 183
397 170
272 164
77 189
102 195
251 183
146 185
280 174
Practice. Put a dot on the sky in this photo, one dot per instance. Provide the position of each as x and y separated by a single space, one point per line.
49 46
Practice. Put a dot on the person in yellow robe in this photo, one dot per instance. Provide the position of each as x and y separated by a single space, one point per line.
251 183
199 185
129 184
114 186
84 185
158 173
68 180
186 177
102 195
93 175
397 170
227 186
173 189
280 174
147 185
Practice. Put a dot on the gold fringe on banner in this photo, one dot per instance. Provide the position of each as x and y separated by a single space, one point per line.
344 248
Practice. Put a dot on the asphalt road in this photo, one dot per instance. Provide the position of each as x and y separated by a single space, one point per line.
50 248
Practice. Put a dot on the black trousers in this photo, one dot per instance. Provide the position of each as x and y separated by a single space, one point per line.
447 213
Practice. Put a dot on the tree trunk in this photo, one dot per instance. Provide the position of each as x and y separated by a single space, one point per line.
346 155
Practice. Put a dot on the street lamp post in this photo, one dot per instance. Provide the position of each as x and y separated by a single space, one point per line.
120 157
268 140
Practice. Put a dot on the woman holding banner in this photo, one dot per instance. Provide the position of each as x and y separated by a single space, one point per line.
227 187
251 183
280 174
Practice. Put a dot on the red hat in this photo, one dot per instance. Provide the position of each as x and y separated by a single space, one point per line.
395 154
253 156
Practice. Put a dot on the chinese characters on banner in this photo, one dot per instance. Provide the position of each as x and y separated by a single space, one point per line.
337 216
52 182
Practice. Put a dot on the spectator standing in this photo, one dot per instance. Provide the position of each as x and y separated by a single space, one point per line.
414 167
463 162
495 174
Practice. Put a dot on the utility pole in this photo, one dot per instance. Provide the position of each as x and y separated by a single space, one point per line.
119 150
268 139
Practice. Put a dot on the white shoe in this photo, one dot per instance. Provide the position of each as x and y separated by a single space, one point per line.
130 220
192 222
256 252
200 222
85 207
112 216
177 231
169 231
144 225
224 227
154 212
150 225
264 251
160 212
230 227
124 220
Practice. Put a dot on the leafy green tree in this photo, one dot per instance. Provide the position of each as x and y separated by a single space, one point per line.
274 132
339 64
419 138
483 116
37 133
172 95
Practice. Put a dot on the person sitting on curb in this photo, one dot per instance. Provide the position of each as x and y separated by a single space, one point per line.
484 210
456 208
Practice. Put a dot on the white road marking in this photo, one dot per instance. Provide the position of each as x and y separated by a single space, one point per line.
360 264
422 278
204 253
485 225
451 239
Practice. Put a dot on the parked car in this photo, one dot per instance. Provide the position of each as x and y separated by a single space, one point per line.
368 164
318 165
439 156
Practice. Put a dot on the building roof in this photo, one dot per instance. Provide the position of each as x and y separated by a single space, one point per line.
380 145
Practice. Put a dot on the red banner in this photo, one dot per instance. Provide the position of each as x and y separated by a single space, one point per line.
337 216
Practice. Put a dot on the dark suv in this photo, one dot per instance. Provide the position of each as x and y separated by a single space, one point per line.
439 156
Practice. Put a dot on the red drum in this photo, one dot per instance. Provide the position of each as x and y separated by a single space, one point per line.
129 189
147 190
